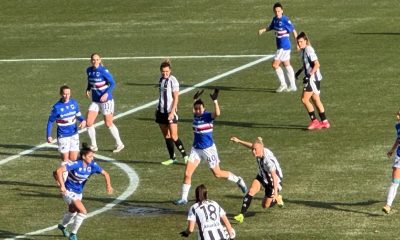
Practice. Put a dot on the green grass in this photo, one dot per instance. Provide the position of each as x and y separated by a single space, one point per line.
334 180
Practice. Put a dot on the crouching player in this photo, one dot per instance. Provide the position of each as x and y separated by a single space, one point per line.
269 176
78 173
208 215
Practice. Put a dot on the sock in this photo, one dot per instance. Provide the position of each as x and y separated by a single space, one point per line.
322 116
77 222
179 146
67 218
312 115
185 191
392 193
170 147
246 203
233 178
115 133
281 76
291 77
92 135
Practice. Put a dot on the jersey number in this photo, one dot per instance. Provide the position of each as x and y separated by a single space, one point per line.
211 213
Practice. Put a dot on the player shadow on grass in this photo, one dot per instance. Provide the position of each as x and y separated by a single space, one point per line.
7 234
27 147
26 184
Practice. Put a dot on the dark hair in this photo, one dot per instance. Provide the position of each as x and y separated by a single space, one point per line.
85 150
93 54
201 193
302 35
62 88
198 101
165 63
277 5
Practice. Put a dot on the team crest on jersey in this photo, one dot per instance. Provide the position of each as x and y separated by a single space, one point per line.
89 169
97 74
72 106
62 109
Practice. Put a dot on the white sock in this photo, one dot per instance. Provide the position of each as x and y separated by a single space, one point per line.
392 193
92 135
291 77
281 76
77 222
185 191
233 178
67 218
115 133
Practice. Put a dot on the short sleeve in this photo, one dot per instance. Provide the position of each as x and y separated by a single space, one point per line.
191 214
310 52
175 84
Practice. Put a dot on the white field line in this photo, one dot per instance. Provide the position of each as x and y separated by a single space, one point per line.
127 58
133 178
133 184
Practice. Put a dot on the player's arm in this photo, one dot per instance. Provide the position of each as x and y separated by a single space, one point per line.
189 230
395 144
80 117
315 67
231 231
60 180
275 179
244 143
50 121
295 39
111 85
108 181
175 100
217 110
263 30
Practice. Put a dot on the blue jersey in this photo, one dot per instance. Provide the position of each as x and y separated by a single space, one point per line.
65 115
283 27
78 174
100 81
398 137
203 131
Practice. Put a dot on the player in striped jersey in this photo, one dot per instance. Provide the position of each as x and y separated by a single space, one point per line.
269 176
395 169
204 148
100 86
283 27
78 173
312 83
208 215
166 113
64 113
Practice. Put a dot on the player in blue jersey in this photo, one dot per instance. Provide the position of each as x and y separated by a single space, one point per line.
204 148
100 86
282 27
395 169
269 176
78 173
65 112
166 112
209 216
312 83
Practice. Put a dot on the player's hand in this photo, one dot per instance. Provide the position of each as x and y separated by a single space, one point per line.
214 95
234 139
198 94
104 97
49 139
82 124
232 234
306 78
390 153
110 190
185 233
171 117
297 74
261 31
63 191
88 94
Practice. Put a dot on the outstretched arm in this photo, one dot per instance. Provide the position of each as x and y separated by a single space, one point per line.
108 182
395 144
244 143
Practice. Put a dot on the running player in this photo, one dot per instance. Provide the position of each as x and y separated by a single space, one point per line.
395 169
204 148
269 176
208 215
166 113
312 83
78 173
283 27
64 113
100 86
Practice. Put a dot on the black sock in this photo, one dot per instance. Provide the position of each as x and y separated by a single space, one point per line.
170 147
322 116
312 115
246 203
179 146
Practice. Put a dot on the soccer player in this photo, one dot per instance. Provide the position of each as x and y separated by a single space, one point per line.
78 173
283 27
395 169
204 148
166 112
64 113
269 176
100 86
312 83
208 215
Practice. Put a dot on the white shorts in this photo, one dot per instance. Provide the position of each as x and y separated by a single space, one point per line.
69 197
282 55
209 154
106 108
396 162
68 144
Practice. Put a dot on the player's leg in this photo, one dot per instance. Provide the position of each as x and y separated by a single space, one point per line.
290 72
254 189
80 216
279 72
74 147
173 129
90 118
165 130
107 110
318 104
191 166
393 186
305 99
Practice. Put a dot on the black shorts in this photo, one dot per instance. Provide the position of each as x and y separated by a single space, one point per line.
162 118
269 189
312 86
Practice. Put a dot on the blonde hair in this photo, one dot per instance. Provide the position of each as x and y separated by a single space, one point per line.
259 140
